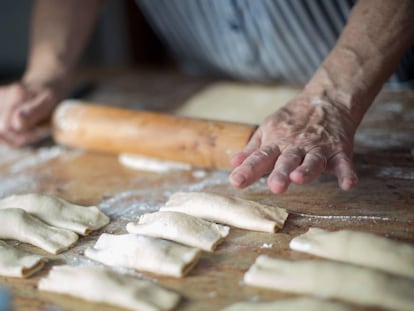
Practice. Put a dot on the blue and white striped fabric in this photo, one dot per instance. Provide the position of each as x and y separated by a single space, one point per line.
256 40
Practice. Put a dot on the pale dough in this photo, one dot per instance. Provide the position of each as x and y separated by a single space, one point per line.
365 249
16 224
296 304
335 280
236 212
144 254
18 263
182 228
142 163
100 284
58 212
237 102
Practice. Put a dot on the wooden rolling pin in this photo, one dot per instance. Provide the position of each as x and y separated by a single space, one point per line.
201 143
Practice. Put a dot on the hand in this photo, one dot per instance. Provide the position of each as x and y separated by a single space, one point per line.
297 143
22 108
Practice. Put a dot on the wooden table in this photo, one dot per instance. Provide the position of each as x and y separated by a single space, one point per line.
382 203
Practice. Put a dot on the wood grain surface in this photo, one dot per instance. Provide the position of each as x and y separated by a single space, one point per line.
382 203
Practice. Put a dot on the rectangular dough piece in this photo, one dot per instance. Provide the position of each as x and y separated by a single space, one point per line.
99 284
57 212
334 280
181 228
18 263
144 254
16 224
236 212
361 248
296 304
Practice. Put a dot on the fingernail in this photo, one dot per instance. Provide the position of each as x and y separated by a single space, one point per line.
238 179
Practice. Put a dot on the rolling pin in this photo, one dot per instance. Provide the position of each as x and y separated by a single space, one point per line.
201 143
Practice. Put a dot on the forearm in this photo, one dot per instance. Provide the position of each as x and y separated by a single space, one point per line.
59 32
371 45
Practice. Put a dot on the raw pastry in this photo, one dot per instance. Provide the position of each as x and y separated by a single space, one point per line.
58 212
236 212
151 164
333 280
16 224
182 228
308 304
100 284
254 102
18 263
365 249
144 253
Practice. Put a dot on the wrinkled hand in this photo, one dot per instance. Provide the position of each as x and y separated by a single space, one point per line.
22 108
307 137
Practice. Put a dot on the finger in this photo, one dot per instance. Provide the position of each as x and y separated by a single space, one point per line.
252 145
254 166
288 161
342 166
33 112
312 166
21 139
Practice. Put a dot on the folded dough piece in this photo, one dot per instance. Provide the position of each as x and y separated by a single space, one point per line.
58 212
236 212
308 304
365 249
144 253
182 228
16 224
151 164
333 280
100 284
18 263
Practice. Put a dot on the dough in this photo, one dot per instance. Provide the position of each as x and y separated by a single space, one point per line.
151 164
58 213
236 212
16 224
182 228
100 284
335 280
17 263
297 304
359 248
237 102
144 253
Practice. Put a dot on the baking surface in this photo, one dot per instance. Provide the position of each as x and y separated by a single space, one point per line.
382 203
